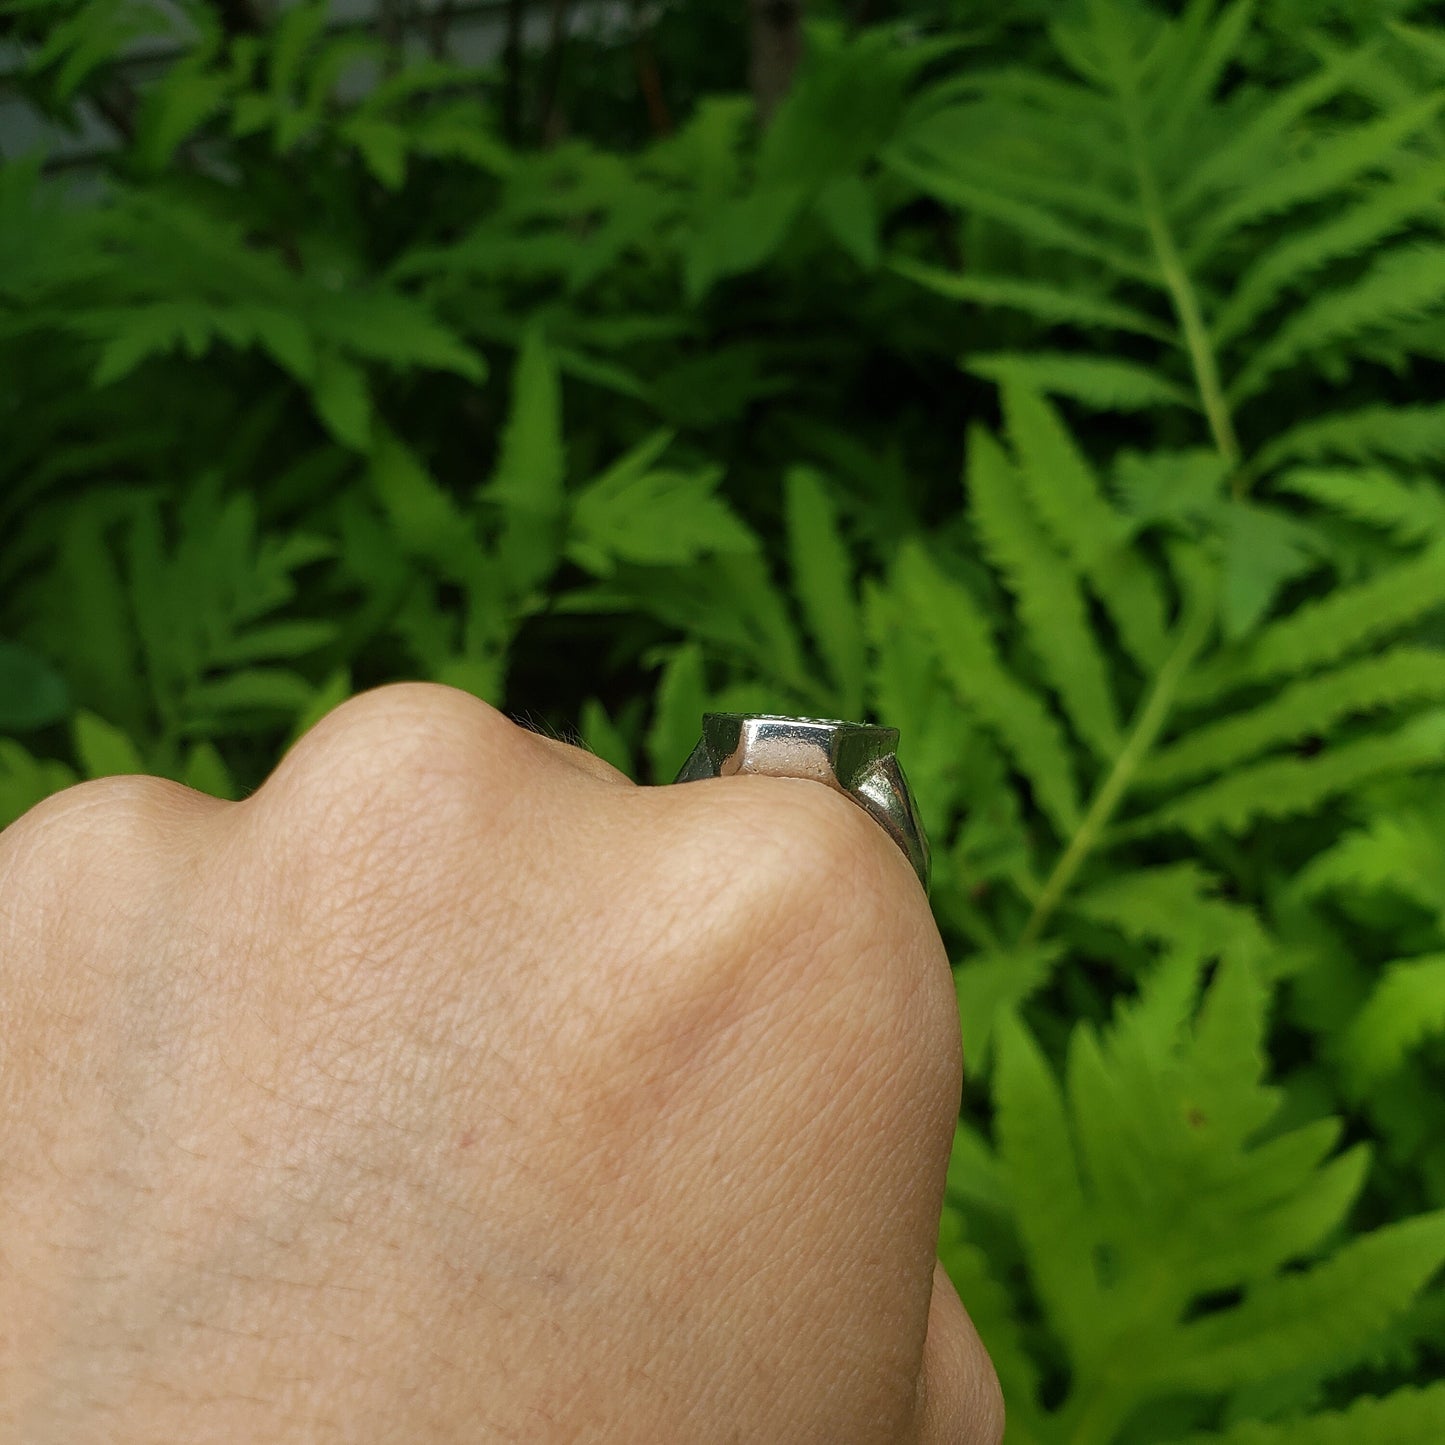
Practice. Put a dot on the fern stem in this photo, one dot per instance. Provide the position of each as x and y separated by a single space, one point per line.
1181 289
1148 722
1196 338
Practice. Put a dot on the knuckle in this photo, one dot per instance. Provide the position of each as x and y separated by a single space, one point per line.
846 919
395 728
771 945
135 810
771 827
811 859
828 897
387 762
97 848
366 838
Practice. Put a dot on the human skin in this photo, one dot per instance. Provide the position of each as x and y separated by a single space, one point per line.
450 1087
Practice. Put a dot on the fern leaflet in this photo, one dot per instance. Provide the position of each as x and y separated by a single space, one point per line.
1332 164
1048 303
1323 1320
1386 208
1024 728
1049 602
1408 1417
1309 708
1412 509
1282 787
1403 433
1323 631
1100 382
1402 286
1406 1008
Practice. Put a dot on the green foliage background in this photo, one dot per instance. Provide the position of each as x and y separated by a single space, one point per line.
1059 383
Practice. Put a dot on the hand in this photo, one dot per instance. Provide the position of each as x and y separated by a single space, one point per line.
451 1087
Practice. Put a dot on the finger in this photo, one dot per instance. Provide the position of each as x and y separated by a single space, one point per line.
959 1398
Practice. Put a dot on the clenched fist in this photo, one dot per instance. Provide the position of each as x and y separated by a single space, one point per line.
452 1088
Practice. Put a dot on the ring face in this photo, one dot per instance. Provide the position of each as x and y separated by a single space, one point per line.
856 759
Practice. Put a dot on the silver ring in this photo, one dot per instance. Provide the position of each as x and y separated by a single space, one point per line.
855 759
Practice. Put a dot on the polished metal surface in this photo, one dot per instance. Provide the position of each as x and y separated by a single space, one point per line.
855 759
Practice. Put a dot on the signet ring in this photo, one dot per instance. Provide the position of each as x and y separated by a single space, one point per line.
858 760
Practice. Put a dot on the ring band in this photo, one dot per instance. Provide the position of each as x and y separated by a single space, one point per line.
858 760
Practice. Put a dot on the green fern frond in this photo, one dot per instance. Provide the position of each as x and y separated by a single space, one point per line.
1400 852
1022 725
1102 383
1251 147
1285 787
88 598
1323 631
1178 905
1078 105
1291 261
992 983
1200 53
528 478
1050 605
1402 286
1332 164
1292 1198
1061 484
682 696
654 515
1413 510
1143 173
229 576
1039 160
1189 635
426 521
1406 1008
823 583
389 327
1400 433
248 689
1407 1417
1078 43
1309 708
1070 306
1028 218
1129 1189
1325 1319
907 685
1078 517
1286 1224
1036 1150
